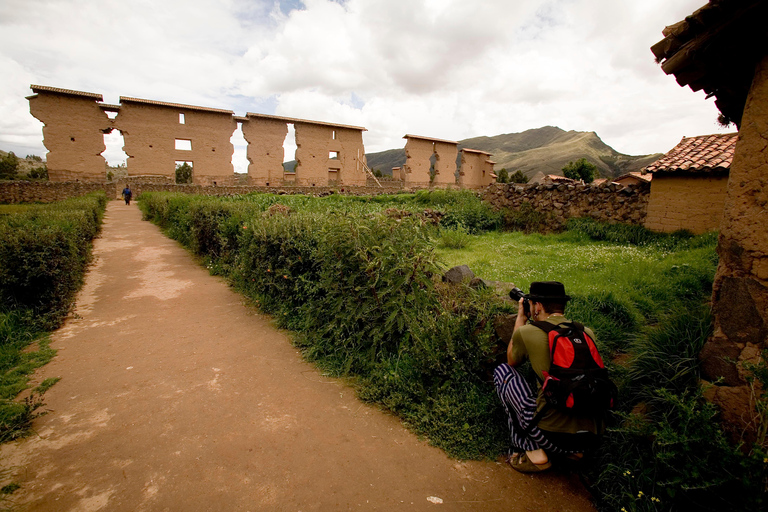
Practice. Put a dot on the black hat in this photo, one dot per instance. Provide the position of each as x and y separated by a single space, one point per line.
548 291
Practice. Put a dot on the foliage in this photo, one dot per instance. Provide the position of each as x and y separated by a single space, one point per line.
39 173
518 177
455 238
502 176
581 169
9 166
184 173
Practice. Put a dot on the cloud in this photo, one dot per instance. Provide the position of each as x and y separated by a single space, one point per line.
444 68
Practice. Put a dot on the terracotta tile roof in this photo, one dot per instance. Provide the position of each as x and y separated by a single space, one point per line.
69 92
432 139
640 176
705 153
306 121
127 99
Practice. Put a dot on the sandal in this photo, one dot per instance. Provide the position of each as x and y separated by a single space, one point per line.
521 462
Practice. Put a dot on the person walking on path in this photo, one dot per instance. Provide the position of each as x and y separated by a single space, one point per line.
127 194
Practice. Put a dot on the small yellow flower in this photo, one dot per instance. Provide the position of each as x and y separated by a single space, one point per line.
640 494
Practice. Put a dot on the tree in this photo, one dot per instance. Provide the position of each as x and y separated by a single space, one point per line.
518 177
503 176
184 173
581 169
377 173
9 166
39 173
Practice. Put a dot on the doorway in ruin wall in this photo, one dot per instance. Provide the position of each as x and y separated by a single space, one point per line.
114 155
289 154
239 155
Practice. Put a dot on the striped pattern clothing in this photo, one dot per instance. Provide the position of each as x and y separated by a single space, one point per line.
519 402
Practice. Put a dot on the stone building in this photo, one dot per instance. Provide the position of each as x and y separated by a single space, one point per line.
689 184
722 49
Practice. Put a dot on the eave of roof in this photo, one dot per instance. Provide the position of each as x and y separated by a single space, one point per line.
127 99
68 92
468 150
702 154
295 120
431 139
716 49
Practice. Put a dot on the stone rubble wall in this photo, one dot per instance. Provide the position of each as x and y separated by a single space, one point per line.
607 202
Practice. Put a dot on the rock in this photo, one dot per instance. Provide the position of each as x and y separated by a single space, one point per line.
504 325
478 283
458 274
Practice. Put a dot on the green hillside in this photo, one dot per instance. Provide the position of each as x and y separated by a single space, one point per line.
547 149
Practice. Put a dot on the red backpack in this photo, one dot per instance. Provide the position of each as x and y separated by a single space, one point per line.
577 381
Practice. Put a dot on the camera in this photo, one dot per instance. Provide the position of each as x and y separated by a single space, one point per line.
516 294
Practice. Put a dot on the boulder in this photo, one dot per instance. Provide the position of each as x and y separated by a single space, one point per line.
458 274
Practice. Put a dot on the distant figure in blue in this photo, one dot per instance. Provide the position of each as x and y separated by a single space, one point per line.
127 194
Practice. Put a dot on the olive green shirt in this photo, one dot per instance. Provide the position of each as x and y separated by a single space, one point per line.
530 342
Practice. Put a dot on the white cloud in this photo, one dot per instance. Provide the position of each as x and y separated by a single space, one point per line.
445 68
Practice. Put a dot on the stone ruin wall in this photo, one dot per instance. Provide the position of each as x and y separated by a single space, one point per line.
608 202
476 170
75 123
73 133
740 292
150 131
693 202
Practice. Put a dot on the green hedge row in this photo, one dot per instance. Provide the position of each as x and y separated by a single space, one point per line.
44 251
360 291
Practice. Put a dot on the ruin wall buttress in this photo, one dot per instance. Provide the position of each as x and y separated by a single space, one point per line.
349 144
418 153
445 164
475 171
150 132
265 138
314 167
73 134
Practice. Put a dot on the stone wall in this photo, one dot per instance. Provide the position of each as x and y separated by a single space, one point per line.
740 292
605 202
692 202
12 192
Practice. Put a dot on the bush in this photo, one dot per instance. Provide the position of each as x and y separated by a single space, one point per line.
183 173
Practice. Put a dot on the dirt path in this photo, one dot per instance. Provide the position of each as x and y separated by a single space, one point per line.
175 396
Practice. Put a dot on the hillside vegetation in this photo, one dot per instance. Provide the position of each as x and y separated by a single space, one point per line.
547 149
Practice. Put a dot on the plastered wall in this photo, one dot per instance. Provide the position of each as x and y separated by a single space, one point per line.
73 134
265 138
693 202
352 156
417 164
150 133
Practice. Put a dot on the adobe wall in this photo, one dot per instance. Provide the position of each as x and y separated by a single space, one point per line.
417 162
265 138
352 155
693 202
150 132
475 171
73 134
605 202
445 164
740 292
313 165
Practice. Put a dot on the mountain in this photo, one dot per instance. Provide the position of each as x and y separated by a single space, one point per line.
547 149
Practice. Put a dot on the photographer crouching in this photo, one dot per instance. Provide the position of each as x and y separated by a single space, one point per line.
565 416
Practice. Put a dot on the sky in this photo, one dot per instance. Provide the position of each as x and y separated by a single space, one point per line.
449 69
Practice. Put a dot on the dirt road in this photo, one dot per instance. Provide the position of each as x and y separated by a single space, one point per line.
175 396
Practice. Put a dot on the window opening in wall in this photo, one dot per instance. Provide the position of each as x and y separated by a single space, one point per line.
184 144
240 154
333 136
184 171
111 114
289 150
432 165
333 155
114 155
181 118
